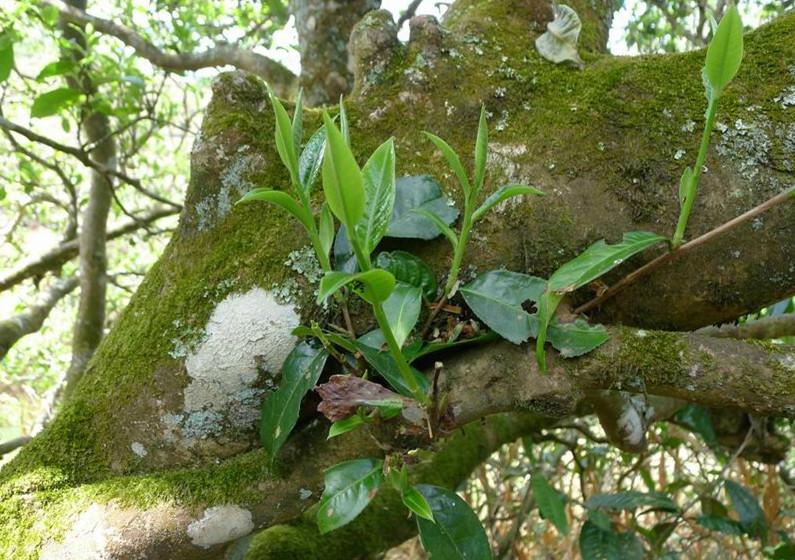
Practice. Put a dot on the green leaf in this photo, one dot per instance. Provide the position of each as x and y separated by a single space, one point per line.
551 503
282 200
378 284
752 518
409 269
378 176
457 533
344 259
52 102
546 311
481 150
725 51
600 544
503 193
311 159
630 500
419 192
432 347
386 366
6 55
285 144
577 338
388 408
349 488
599 259
326 228
720 524
341 426
685 185
697 419
344 126
453 161
440 225
402 309
496 297
417 504
298 116
300 373
342 180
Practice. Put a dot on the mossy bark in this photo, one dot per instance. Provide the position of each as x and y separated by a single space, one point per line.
604 143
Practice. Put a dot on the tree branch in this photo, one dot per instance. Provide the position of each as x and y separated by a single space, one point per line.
761 329
64 252
281 79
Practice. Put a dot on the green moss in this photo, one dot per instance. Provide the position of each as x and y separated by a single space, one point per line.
660 355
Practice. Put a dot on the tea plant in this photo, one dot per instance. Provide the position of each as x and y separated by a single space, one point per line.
370 203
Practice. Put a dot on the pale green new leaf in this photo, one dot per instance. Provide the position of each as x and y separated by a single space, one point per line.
546 310
577 338
378 284
503 193
725 51
402 309
349 488
551 503
439 223
598 259
311 159
6 55
52 102
481 150
281 199
342 179
300 373
685 185
378 177
298 116
285 144
453 161
417 504
326 228
342 426
344 126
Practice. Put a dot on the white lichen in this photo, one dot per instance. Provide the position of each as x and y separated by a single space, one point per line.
220 524
139 449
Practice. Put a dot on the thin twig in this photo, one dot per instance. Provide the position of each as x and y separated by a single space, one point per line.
654 264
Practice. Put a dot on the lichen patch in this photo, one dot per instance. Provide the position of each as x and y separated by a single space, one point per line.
220 524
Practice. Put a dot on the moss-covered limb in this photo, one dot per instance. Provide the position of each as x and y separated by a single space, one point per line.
386 523
712 372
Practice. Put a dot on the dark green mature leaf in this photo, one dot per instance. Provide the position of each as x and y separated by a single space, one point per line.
496 297
285 144
720 524
344 259
600 544
457 533
402 309
52 102
481 150
503 193
417 504
6 55
631 500
378 176
378 284
386 366
697 419
342 179
349 488
311 159
577 338
453 161
342 426
419 192
599 259
551 503
418 352
725 51
752 518
281 199
409 269
546 311
300 373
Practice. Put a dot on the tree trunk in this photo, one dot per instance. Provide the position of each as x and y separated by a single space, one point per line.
155 454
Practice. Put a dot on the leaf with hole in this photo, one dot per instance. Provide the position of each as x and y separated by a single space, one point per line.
282 200
409 269
577 338
503 193
551 503
496 297
419 192
349 487
300 373
725 51
52 102
378 176
402 309
342 179
457 533
377 284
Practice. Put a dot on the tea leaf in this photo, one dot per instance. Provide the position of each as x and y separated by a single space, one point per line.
349 488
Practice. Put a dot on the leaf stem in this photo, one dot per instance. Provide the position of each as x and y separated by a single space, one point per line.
397 354
692 189
459 249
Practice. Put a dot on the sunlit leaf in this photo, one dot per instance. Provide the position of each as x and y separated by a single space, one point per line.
453 161
349 487
52 102
342 426
285 145
378 176
326 228
576 338
417 504
282 200
551 503
342 179
378 284
725 51
6 55
311 159
481 150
